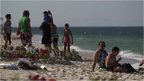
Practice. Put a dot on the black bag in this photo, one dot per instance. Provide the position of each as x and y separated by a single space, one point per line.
129 68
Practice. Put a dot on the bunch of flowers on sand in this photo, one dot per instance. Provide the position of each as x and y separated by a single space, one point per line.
14 52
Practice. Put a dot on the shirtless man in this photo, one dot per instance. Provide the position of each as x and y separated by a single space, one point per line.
67 38
100 56
111 62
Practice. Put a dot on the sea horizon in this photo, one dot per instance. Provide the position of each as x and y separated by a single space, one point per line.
84 26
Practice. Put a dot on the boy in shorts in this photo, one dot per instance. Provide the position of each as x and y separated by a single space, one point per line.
7 29
67 38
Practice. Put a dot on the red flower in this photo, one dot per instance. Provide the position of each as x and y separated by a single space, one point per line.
36 77
52 79
43 79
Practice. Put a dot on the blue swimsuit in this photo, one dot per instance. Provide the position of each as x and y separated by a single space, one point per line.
102 58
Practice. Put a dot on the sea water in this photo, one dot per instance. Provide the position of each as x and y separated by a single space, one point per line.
128 39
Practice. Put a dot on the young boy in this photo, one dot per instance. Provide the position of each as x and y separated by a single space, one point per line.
111 58
113 64
7 29
67 38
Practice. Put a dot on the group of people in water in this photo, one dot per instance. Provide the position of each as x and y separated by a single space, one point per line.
50 38
48 28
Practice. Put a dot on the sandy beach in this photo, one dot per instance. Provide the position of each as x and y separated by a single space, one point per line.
67 70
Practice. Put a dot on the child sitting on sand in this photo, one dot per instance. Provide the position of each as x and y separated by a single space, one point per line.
67 38
112 64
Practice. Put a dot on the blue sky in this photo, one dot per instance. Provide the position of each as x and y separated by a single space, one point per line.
78 13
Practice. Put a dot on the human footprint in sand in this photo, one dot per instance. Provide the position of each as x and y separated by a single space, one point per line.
100 56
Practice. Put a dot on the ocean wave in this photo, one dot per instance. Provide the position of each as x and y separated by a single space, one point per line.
123 53
130 54
132 58
127 56
81 50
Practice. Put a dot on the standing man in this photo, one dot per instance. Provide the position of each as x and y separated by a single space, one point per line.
25 29
100 56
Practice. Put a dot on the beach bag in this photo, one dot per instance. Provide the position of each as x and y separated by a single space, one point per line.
129 68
